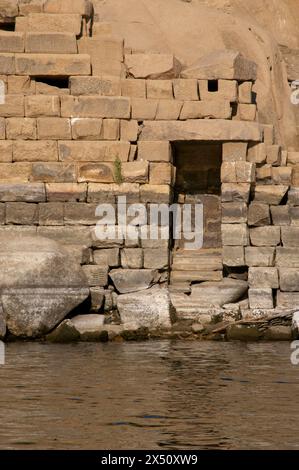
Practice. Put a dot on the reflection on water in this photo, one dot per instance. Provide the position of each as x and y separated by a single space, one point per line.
152 395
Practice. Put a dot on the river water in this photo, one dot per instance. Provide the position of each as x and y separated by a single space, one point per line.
151 395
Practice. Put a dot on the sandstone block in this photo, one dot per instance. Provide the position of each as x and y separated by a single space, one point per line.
15 172
234 212
258 214
11 41
95 107
257 153
288 300
69 235
223 64
234 151
35 151
66 192
51 213
225 90
247 112
128 130
97 276
206 109
89 151
135 172
13 106
132 258
293 213
2 129
245 172
143 109
287 257
265 236
293 158
156 258
42 105
293 196
7 64
263 277
6 151
31 192
290 236
81 7
152 65
110 129
50 43
245 92
107 257
9 9
159 89
270 194
259 256
155 193
154 151
185 89
96 172
94 86
261 298
46 89
233 192
273 154
283 175
103 193
281 215
133 280
53 128
133 88
21 213
62 23
105 48
233 256
79 213
53 172
289 279
162 173
235 234
55 65
21 128
264 174
86 128
169 110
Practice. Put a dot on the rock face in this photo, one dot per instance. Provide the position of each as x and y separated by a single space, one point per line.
151 308
219 293
39 285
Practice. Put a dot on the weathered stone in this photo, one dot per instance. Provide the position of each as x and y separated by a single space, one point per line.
21 213
62 23
95 107
258 214
233 192
245 92
50 43
293 213
32 151
278 333
37 298
265 236
260 298
219 293
6 147
287 257
273 155
234 212
51 213
169 110
88 323
21 128
86 128
96 172
80 213
290 236
132 258
133 88
106 54
94 86
33 192
46 89
152 65
159 89
135 172
259 256
237 172
81 7
9 9
281 215
219 109
235 234
293 158
185 89
270 194
7 63
151 308
54 128
293 196
133 280
96 276
226 90
156 258
283 175
97 296
269 134
201 129
143 109
154 151
289 279
263 277
11 41
98 192
72 235
13 106
92 151
264 174
57 65
42 105
257 153
66 192
233 256
243 333
53 172
222 64
288 300
15 172
128 130
64 333
247 112
155 193
110 129
162 173
107 257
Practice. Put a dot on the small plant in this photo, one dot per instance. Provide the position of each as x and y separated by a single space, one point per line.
117 171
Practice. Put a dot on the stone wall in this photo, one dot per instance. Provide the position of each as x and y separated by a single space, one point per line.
85 120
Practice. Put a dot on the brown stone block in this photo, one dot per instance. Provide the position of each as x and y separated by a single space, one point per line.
51 213
95 107
42 105
5 151
13 106
21 128
14 172
66 192
11 41
86 128
21 213
96 172
35 151
18 192
55 65
53 128
54 172
105 151
51 43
